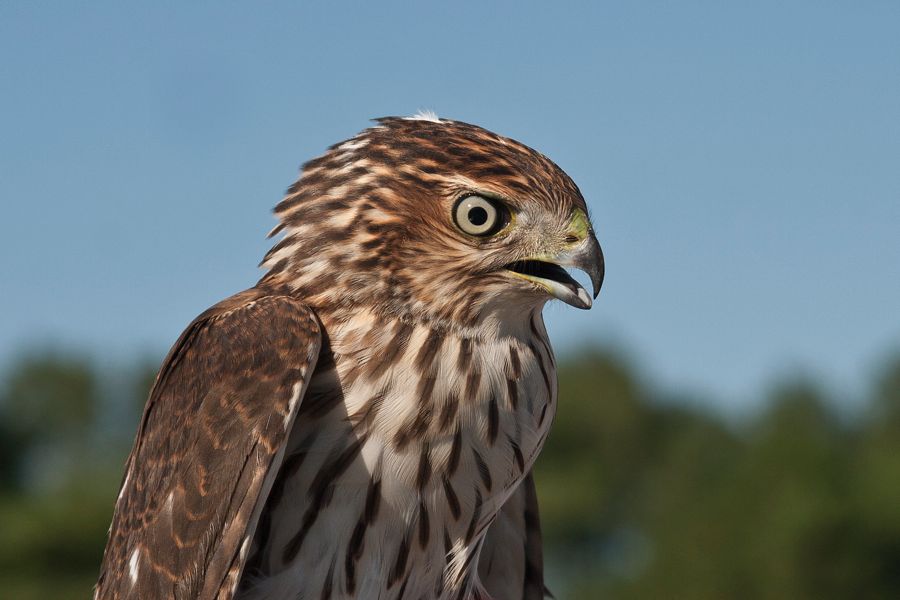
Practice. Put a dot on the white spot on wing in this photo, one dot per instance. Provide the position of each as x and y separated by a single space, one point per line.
134 565
292 404
425 115
124 484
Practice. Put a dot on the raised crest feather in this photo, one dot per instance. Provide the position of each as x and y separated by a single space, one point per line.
425 115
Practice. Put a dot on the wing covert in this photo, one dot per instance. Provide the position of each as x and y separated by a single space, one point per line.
209 444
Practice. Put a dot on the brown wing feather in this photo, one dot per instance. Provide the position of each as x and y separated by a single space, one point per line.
210 441
511 566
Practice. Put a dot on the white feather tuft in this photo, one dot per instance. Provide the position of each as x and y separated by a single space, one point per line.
134 565
424 115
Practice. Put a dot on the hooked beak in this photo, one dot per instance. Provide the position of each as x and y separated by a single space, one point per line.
548 272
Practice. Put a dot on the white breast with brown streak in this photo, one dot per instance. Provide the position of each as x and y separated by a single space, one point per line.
406 446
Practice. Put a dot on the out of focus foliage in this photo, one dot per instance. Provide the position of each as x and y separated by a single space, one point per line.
643 495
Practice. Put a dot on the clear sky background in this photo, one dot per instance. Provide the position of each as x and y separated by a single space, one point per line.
742 163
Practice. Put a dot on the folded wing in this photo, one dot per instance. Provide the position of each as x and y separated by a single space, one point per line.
209 444
511 565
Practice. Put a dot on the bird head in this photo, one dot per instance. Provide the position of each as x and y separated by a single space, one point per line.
437 220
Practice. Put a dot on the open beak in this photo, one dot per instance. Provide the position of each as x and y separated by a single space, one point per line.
550 274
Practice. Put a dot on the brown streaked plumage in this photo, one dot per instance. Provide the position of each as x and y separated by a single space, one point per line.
363 422
209 443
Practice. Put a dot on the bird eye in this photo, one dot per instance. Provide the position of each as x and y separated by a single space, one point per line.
477 216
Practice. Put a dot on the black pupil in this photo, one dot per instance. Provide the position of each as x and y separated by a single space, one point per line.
477 215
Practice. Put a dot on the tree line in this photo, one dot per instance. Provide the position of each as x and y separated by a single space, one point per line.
643 495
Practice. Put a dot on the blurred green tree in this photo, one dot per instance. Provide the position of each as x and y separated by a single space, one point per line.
48 405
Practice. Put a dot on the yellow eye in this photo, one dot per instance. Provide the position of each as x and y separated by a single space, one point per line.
478 216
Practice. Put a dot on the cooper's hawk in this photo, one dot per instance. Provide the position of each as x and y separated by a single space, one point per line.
362 423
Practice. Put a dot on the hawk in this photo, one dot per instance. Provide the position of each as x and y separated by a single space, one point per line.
363 422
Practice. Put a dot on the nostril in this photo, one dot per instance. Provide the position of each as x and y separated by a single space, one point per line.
571 239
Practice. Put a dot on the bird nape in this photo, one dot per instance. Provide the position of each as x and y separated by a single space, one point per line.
362 423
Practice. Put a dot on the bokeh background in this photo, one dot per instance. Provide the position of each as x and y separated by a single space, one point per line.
730 417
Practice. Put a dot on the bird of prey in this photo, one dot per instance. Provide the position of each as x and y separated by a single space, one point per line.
362 423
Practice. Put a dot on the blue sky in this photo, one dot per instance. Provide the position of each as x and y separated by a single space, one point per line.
742 163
